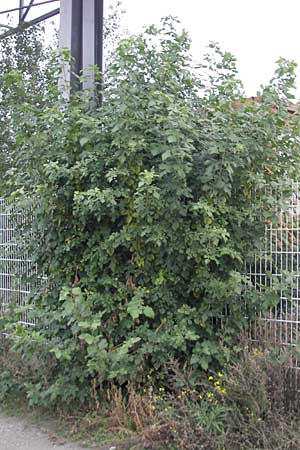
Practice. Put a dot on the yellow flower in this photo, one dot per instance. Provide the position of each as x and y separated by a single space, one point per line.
257 352
220 374
210 378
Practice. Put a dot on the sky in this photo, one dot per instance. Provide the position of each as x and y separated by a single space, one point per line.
257 32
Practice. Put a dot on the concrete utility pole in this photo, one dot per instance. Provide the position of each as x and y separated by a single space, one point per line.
81 31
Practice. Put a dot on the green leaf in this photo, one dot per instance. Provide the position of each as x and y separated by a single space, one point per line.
88 338
167 154
83 141
148 311
135 308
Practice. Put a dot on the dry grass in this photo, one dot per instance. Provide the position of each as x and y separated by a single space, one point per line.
254 405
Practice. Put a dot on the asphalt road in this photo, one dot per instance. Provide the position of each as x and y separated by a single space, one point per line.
16 434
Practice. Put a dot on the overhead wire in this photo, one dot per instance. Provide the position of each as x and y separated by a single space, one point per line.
23 25
31 5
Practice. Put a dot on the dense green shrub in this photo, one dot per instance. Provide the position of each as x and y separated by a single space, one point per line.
145 211
24 78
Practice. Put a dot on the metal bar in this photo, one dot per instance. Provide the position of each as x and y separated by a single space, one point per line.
76 44
21 3
25 7
20 291
6 26
25 25
27 10
99 6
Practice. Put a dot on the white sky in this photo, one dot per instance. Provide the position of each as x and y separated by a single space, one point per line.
257 32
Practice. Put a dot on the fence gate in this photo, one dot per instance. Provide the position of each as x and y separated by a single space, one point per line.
15 264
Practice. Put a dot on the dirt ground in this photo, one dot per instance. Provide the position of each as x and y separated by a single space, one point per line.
17 434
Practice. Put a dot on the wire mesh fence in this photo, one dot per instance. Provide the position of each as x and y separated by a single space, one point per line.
278 263
16 267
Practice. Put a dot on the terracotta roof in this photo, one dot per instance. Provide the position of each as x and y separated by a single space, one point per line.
292 107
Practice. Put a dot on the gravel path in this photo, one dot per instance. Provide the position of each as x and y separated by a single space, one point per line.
16 434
